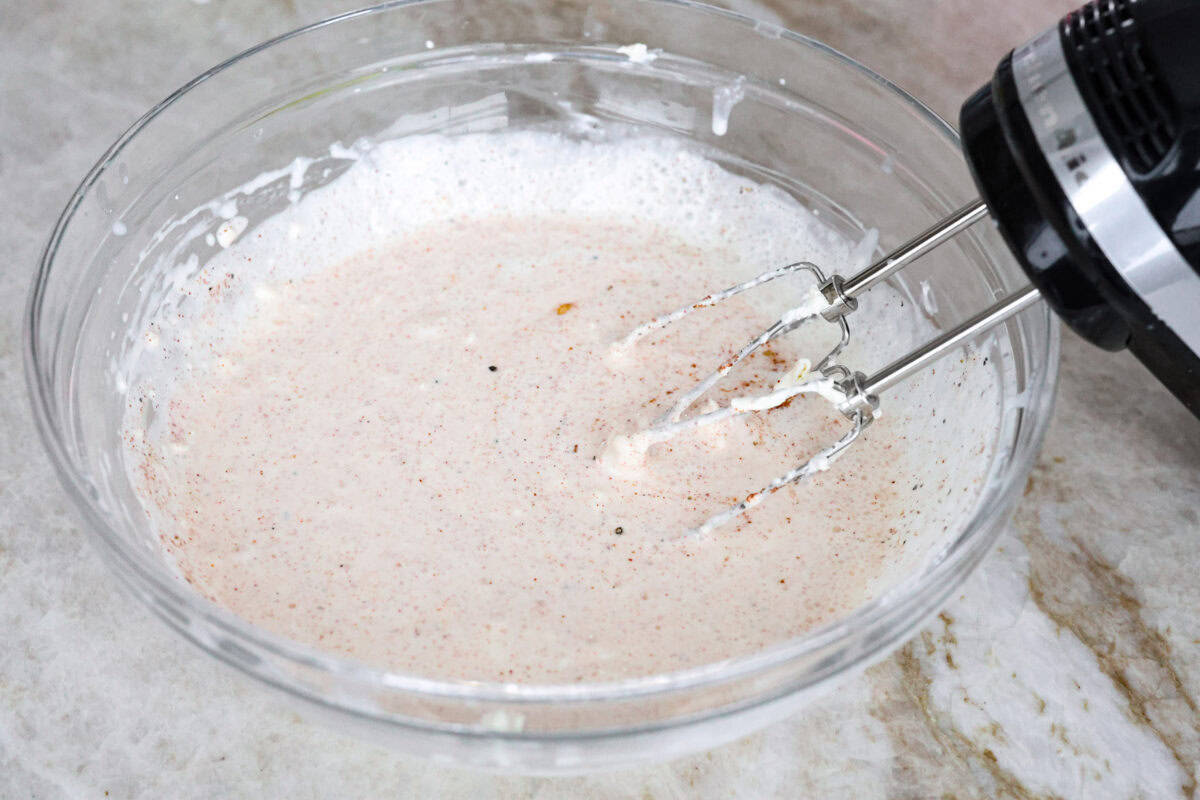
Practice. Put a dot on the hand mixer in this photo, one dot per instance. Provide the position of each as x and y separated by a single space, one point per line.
1085 148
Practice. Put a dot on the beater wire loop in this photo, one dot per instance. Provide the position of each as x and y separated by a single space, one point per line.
812 306
818 463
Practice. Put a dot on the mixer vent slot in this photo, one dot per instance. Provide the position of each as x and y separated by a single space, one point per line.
1103 41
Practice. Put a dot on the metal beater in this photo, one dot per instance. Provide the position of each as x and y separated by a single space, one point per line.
1085 147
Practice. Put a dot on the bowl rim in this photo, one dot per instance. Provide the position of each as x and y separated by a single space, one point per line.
956 563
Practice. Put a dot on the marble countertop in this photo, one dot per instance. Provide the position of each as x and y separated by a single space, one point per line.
1067 666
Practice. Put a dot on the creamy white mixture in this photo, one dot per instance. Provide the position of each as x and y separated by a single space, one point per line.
379 424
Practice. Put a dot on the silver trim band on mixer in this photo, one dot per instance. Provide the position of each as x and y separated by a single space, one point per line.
1100 192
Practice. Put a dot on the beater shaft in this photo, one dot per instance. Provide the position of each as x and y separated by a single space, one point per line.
840 292
862 391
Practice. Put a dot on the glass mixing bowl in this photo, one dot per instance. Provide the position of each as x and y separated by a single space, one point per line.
839 138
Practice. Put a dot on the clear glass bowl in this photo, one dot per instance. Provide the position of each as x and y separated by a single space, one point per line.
838 137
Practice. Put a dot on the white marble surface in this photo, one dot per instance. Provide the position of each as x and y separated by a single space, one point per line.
1068 666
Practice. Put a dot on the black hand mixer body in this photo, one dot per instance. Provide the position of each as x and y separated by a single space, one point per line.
1086 149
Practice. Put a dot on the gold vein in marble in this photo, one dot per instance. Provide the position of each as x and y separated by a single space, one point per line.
1093 600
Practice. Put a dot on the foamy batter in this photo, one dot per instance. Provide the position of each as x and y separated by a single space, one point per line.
377 424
